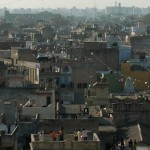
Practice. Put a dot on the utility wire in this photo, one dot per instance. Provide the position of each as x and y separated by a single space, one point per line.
135 80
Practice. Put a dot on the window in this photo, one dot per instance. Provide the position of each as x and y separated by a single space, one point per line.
84 85
103 106
57 81
62 85
79 85
48 100
72 85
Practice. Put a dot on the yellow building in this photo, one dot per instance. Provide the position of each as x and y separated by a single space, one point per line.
141 77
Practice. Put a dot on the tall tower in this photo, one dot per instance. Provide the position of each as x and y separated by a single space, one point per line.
95 11
119 9
6 15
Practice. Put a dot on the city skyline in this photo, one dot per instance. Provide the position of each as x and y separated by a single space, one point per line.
101 4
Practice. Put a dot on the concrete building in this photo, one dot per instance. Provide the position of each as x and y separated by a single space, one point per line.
98 94
124 53
99 52
68 77
79 111
6 45
131 117
141 43
113 38
21 69
118 10
44 106
56 73
9 109
8 131
22 74
44 141
47 32
101 126
9 140
16 105
135 131
128 109
83 74
15 77
2 74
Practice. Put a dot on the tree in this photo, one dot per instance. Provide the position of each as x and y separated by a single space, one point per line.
146 19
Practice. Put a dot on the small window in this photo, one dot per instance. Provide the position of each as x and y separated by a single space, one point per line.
79 85
103 106
62 85
72 85
48 100
84 85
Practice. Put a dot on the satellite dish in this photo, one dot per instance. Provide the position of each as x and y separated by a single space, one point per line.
102 76
129 85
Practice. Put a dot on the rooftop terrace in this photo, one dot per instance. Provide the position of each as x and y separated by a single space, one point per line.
44 141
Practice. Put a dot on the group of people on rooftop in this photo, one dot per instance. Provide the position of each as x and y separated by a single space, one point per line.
80 135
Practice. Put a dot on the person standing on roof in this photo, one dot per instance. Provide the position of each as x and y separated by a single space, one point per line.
84 134
131 144
75 133
79 135
61 134
134 145
53 135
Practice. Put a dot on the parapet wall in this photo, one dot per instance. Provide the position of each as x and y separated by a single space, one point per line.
69 124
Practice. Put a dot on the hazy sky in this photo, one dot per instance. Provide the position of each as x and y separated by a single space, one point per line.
71 3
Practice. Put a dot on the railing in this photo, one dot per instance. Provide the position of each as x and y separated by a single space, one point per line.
45 142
